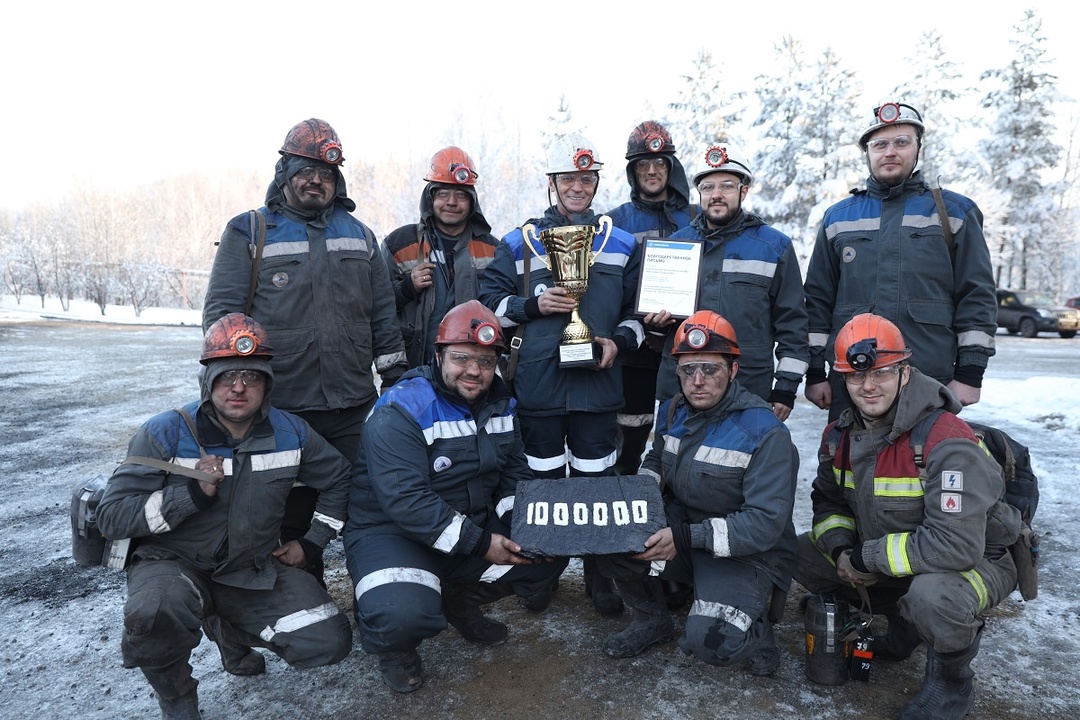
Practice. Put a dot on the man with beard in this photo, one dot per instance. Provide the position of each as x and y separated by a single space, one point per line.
568 414
437 263
427 541
314 277
921 540
659 205
886 250
750 275
203 494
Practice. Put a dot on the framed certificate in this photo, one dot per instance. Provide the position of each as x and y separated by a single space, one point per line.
669 276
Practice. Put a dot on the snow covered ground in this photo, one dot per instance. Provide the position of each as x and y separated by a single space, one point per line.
71 394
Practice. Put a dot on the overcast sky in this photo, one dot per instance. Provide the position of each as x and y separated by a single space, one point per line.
119 94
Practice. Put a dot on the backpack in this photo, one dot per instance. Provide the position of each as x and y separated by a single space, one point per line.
1021 491
1021 485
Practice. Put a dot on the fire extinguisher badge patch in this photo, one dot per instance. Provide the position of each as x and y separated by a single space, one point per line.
951 502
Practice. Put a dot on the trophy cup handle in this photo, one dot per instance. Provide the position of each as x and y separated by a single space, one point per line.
605 228
528 234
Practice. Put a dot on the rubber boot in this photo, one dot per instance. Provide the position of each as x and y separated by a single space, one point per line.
236 657
651 622
402 670
176 690
600 589
899 641
461 607
765 659
948 691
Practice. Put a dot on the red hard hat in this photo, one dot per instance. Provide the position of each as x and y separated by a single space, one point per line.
452 166
867 339
470 322
314 139
235 336
706 331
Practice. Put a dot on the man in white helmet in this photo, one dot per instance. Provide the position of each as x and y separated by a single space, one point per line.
568 415
750 275
886 250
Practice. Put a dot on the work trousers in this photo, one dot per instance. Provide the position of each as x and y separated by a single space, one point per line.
167 602
946 608
398 585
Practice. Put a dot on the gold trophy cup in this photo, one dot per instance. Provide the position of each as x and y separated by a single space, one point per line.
569 257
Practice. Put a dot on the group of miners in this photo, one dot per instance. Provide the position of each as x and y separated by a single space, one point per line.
231 500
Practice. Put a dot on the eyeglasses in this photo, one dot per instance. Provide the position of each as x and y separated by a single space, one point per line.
326 174
708 369
900 142
248 377
486 362
726 187
444 195
657 162
587 180
877 376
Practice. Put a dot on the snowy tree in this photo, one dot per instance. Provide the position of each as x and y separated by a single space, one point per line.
949 110
705 110
1021 151
805 158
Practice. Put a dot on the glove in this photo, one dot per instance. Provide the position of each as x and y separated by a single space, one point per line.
847 572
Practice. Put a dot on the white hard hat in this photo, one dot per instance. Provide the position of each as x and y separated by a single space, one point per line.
572 153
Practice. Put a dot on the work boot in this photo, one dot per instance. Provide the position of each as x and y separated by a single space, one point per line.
176 690
948 691
185 707
401 670
600 589
236 658
461 607
651 621
676 594
899 641
765 659
538 602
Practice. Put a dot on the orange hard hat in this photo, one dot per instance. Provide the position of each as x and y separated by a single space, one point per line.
453 166
314 139
706 331
235 336
470 322
867 339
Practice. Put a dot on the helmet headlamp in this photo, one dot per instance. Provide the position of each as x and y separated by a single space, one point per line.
862 355
460 173
484 332
654 143
245 343
697 338
584 159
331 153
716 156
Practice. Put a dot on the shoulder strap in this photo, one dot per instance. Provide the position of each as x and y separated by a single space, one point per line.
174 468
946 224
515 342
920 433
257 228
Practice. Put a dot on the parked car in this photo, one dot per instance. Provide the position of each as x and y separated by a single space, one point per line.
1030 313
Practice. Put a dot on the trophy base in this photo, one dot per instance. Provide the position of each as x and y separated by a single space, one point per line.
587 354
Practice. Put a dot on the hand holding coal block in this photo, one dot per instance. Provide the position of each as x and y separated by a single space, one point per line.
579 516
